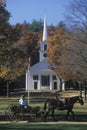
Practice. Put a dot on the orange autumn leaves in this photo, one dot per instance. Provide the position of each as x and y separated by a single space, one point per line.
58 54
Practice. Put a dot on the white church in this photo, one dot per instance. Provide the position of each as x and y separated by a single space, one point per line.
40 76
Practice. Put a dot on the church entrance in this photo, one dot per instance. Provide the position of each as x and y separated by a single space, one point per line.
55 85
45 81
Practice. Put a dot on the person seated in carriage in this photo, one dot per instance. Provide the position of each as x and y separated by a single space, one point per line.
60 101
22 102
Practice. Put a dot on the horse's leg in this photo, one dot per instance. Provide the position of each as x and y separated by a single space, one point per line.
45 116
67 115
72 114
53 114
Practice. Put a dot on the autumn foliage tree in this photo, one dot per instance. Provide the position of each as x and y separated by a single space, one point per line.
8 35
77 19
29 44
56 52
69 49
65 54
11 58
17 43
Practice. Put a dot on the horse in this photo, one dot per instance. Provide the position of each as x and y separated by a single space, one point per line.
61 104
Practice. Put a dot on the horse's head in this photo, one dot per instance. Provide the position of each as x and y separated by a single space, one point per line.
81 100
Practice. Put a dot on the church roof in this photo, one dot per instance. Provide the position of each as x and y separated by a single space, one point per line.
41 66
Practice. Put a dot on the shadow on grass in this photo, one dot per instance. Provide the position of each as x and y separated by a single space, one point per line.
78 118
59 117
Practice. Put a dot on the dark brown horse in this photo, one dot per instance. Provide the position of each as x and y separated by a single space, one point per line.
61 104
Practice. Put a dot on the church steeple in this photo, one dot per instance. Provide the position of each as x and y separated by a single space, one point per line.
45 33
43 43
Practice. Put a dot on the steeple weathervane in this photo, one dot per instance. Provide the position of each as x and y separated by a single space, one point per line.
45 33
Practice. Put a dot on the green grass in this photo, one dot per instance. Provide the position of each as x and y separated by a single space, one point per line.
4 103
43 126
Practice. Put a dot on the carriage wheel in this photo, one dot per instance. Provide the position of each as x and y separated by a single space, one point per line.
11 116
31 117
40 116
34 117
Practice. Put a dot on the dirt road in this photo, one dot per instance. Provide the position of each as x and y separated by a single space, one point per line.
59 122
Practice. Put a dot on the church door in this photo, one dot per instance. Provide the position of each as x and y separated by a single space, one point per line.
45 81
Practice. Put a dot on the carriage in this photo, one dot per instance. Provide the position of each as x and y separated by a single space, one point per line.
15 113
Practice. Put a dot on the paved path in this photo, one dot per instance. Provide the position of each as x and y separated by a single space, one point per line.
59 122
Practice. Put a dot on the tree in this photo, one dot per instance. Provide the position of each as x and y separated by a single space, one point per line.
76 15
29 43
4 16
70 59
9 55
77 19
35 26
73 56
56 49
17 44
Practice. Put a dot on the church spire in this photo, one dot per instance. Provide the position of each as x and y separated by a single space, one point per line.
45 33
43 43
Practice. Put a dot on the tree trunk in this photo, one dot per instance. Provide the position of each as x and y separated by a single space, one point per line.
7 89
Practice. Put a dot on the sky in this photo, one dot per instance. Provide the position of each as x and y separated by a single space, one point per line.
28 10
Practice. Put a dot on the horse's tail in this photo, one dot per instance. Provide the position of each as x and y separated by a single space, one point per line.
45 105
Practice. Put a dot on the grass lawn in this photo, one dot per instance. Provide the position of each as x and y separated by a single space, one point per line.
43 126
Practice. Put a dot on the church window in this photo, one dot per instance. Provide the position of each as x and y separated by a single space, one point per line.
35 77
45 80
35 85
45 47
55 85
54 77
45 55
